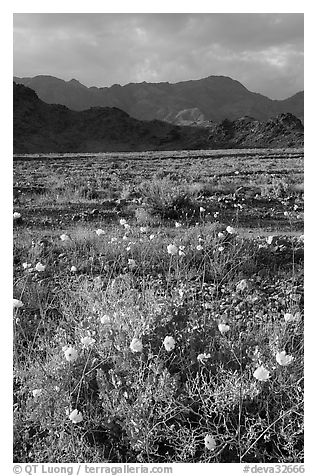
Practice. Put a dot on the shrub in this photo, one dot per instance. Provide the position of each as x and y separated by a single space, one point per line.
165 198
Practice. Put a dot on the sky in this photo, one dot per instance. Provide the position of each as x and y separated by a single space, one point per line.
264 51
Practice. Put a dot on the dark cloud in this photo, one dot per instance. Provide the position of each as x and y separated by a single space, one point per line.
263 51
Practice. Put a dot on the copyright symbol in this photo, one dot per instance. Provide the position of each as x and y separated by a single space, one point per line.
17 469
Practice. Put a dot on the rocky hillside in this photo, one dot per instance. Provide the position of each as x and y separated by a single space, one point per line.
188 102
40 127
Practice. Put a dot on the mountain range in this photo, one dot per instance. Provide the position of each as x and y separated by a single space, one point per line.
195 102
39 127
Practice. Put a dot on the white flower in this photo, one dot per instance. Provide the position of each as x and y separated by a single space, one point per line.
202 209
242 285
269 240
136 345
301 238
202 357
123 222
288 317
26 265
181 253
86 341
114 239
286 214
283 359
169 343
40 267
70 353
210 442
216 215
223 328
100 232
261 374
37 392
64 237
131 263
105 319
16 215
199 247
221 248
17 303
172 249
127 226
76 416
152 237
177 224
220 234
230 230
237 172
144 229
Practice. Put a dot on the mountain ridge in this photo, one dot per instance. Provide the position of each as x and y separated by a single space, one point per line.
42 128
214 98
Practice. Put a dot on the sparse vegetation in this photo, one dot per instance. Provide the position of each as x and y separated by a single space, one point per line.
175 332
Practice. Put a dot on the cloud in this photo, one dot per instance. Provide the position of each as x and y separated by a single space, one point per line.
263 51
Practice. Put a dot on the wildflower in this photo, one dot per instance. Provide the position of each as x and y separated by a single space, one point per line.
199 248
152 237
261 374
136 345
181 253
86 341
237 172
288 317
70 353
202 357
64 237
301 238
230 230
177 224
223 328
37 392
17 303
283 359
221 248
105 319
76 416
220 234
114 239
242 285
286 214
295 207
169 343
172 249
26 265
127 226
16 215
40 267
210 442
269 240
144 229
100 232
131 263
123 222
216 214
124 238
128 248
202 209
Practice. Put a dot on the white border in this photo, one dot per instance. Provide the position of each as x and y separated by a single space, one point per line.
269 6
